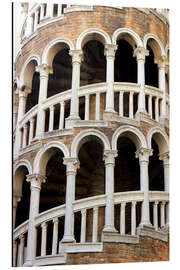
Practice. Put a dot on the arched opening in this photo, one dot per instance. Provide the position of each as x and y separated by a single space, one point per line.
93 67
21 194
61 79
156 170
125 70
125 66
31 80
32 98
53 193
151 68
126 178
54 190
90 182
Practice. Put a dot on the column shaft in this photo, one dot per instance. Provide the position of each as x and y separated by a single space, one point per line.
110 55
71 168
83 226
122 218
36 181
95 224
43 239
51 118
109 186
87 107
55 236
121 103
61 118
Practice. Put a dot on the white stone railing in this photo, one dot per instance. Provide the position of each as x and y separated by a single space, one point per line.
91 100
54 215
159 200
27 126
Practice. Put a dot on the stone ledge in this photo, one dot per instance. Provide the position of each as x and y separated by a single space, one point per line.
119 238
151 232
81 247
50 260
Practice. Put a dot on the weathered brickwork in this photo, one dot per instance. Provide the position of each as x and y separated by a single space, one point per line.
148 250
105 18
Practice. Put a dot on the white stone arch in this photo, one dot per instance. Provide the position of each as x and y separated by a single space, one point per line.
45 154
156 45
18 176
53 47
92 33
160 137
28 70
134 134
125 33
77 141
23 162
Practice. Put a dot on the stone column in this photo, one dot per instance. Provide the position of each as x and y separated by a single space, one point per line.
16 199
162 85
61 117
74 109
41 11
29 26
109 157
44 71
59 10
35 20
110 51
72 164
15 248
143 155
140 54
49 10
23 92
21 250
25 132
165 158
35 180
31 129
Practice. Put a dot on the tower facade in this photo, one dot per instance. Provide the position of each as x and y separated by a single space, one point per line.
91 135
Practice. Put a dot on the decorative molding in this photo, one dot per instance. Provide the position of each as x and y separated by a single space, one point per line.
151 232
50 260
82 247
30 147
78 8
114 237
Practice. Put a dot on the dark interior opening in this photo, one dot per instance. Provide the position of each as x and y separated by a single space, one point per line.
61 78
93 66
151 69
156 170
54 190
32 98
22 212
125 65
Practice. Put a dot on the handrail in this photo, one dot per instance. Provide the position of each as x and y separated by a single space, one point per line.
89 203
158 196
151 90
31 113
21 229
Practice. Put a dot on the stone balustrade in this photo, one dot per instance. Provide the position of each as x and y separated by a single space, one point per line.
159 201
92 104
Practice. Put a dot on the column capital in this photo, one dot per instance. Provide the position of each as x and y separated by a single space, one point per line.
110 50
44 70
160 61
44 225
143 154
72 164
140 53
55 220
23 91
32 120
77 56
164 157
21 237
109 156
36 180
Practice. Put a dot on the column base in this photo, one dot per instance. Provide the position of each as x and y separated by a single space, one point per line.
109 229
68 239
70 122
150 231
163 121
109 115
28 264
142 115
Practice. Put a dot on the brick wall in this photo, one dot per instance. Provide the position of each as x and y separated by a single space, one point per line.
148 250
105 18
